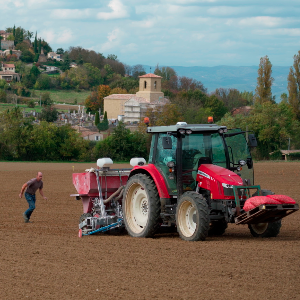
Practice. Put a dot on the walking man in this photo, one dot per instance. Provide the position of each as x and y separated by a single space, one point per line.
31 187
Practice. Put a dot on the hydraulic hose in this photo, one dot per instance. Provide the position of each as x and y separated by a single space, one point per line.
114 194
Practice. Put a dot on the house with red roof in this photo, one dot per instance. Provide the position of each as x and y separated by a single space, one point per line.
8 73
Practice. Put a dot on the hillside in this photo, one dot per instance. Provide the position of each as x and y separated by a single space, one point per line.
241 78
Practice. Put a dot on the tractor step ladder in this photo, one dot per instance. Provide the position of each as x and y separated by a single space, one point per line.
266 213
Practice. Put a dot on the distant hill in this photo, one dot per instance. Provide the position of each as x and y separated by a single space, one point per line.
240 78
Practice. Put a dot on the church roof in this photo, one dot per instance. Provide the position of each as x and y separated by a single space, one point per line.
150 75
120 96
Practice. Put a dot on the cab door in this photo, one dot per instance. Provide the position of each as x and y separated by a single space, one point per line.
238 149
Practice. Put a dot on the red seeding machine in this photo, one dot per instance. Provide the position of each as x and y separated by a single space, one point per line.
198 179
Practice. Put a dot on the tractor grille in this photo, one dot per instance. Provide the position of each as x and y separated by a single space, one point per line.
228 191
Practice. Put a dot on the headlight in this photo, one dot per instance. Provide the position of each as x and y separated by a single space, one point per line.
171 164
242 162
228 189
189 131
181 131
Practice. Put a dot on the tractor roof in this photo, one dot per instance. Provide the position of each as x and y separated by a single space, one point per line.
193 127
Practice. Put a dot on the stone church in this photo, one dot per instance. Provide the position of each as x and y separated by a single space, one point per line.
133 106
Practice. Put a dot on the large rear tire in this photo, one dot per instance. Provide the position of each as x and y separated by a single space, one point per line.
265 229
141 206
192 217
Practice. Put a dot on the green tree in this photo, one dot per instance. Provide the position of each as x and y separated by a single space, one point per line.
49 114
35 71
27 56
46 100
263 91
294 86
216 106
46 47
14 134
112 57
60 51
127 83
78 77
43 82
138 70
14 32
39 46
2 95
103 126
66 63
35 43
10 37
231 98
122 144
272 123
94 75
165 72
36 57
97 118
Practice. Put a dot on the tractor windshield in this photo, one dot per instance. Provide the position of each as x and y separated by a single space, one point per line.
205 146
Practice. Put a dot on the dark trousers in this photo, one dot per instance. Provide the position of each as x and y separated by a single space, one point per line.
31 201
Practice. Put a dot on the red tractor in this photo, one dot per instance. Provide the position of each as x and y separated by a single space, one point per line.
198 179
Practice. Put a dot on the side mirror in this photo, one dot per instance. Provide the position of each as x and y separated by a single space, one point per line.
167 142
252 140
249 163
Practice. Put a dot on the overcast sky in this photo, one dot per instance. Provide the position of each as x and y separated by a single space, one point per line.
166 32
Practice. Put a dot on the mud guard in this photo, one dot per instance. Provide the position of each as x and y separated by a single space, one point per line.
151 170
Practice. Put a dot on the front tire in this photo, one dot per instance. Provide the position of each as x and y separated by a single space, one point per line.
141 206
192 217
265 229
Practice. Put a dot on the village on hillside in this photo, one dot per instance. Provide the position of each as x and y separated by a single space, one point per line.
92 93
129 108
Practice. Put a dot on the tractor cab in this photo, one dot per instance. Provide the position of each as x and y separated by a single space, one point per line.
179 150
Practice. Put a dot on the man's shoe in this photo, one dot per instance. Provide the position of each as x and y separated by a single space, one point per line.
25 218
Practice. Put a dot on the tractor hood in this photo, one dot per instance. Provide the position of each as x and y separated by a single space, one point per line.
219 174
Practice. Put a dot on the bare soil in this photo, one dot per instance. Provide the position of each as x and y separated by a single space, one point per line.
46 259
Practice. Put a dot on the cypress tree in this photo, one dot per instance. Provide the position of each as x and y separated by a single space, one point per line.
14 34
40 46
97 118
35 43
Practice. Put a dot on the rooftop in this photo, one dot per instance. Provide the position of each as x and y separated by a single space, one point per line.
8 73
150 75
120 96
8 65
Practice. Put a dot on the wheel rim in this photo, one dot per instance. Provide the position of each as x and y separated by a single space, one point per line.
186 214
137 208
259 228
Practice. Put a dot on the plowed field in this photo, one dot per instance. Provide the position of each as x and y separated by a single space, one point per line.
46 260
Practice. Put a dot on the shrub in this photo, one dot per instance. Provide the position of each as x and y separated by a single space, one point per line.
31 103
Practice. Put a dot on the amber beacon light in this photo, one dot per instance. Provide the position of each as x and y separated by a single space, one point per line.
146 121
210 119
